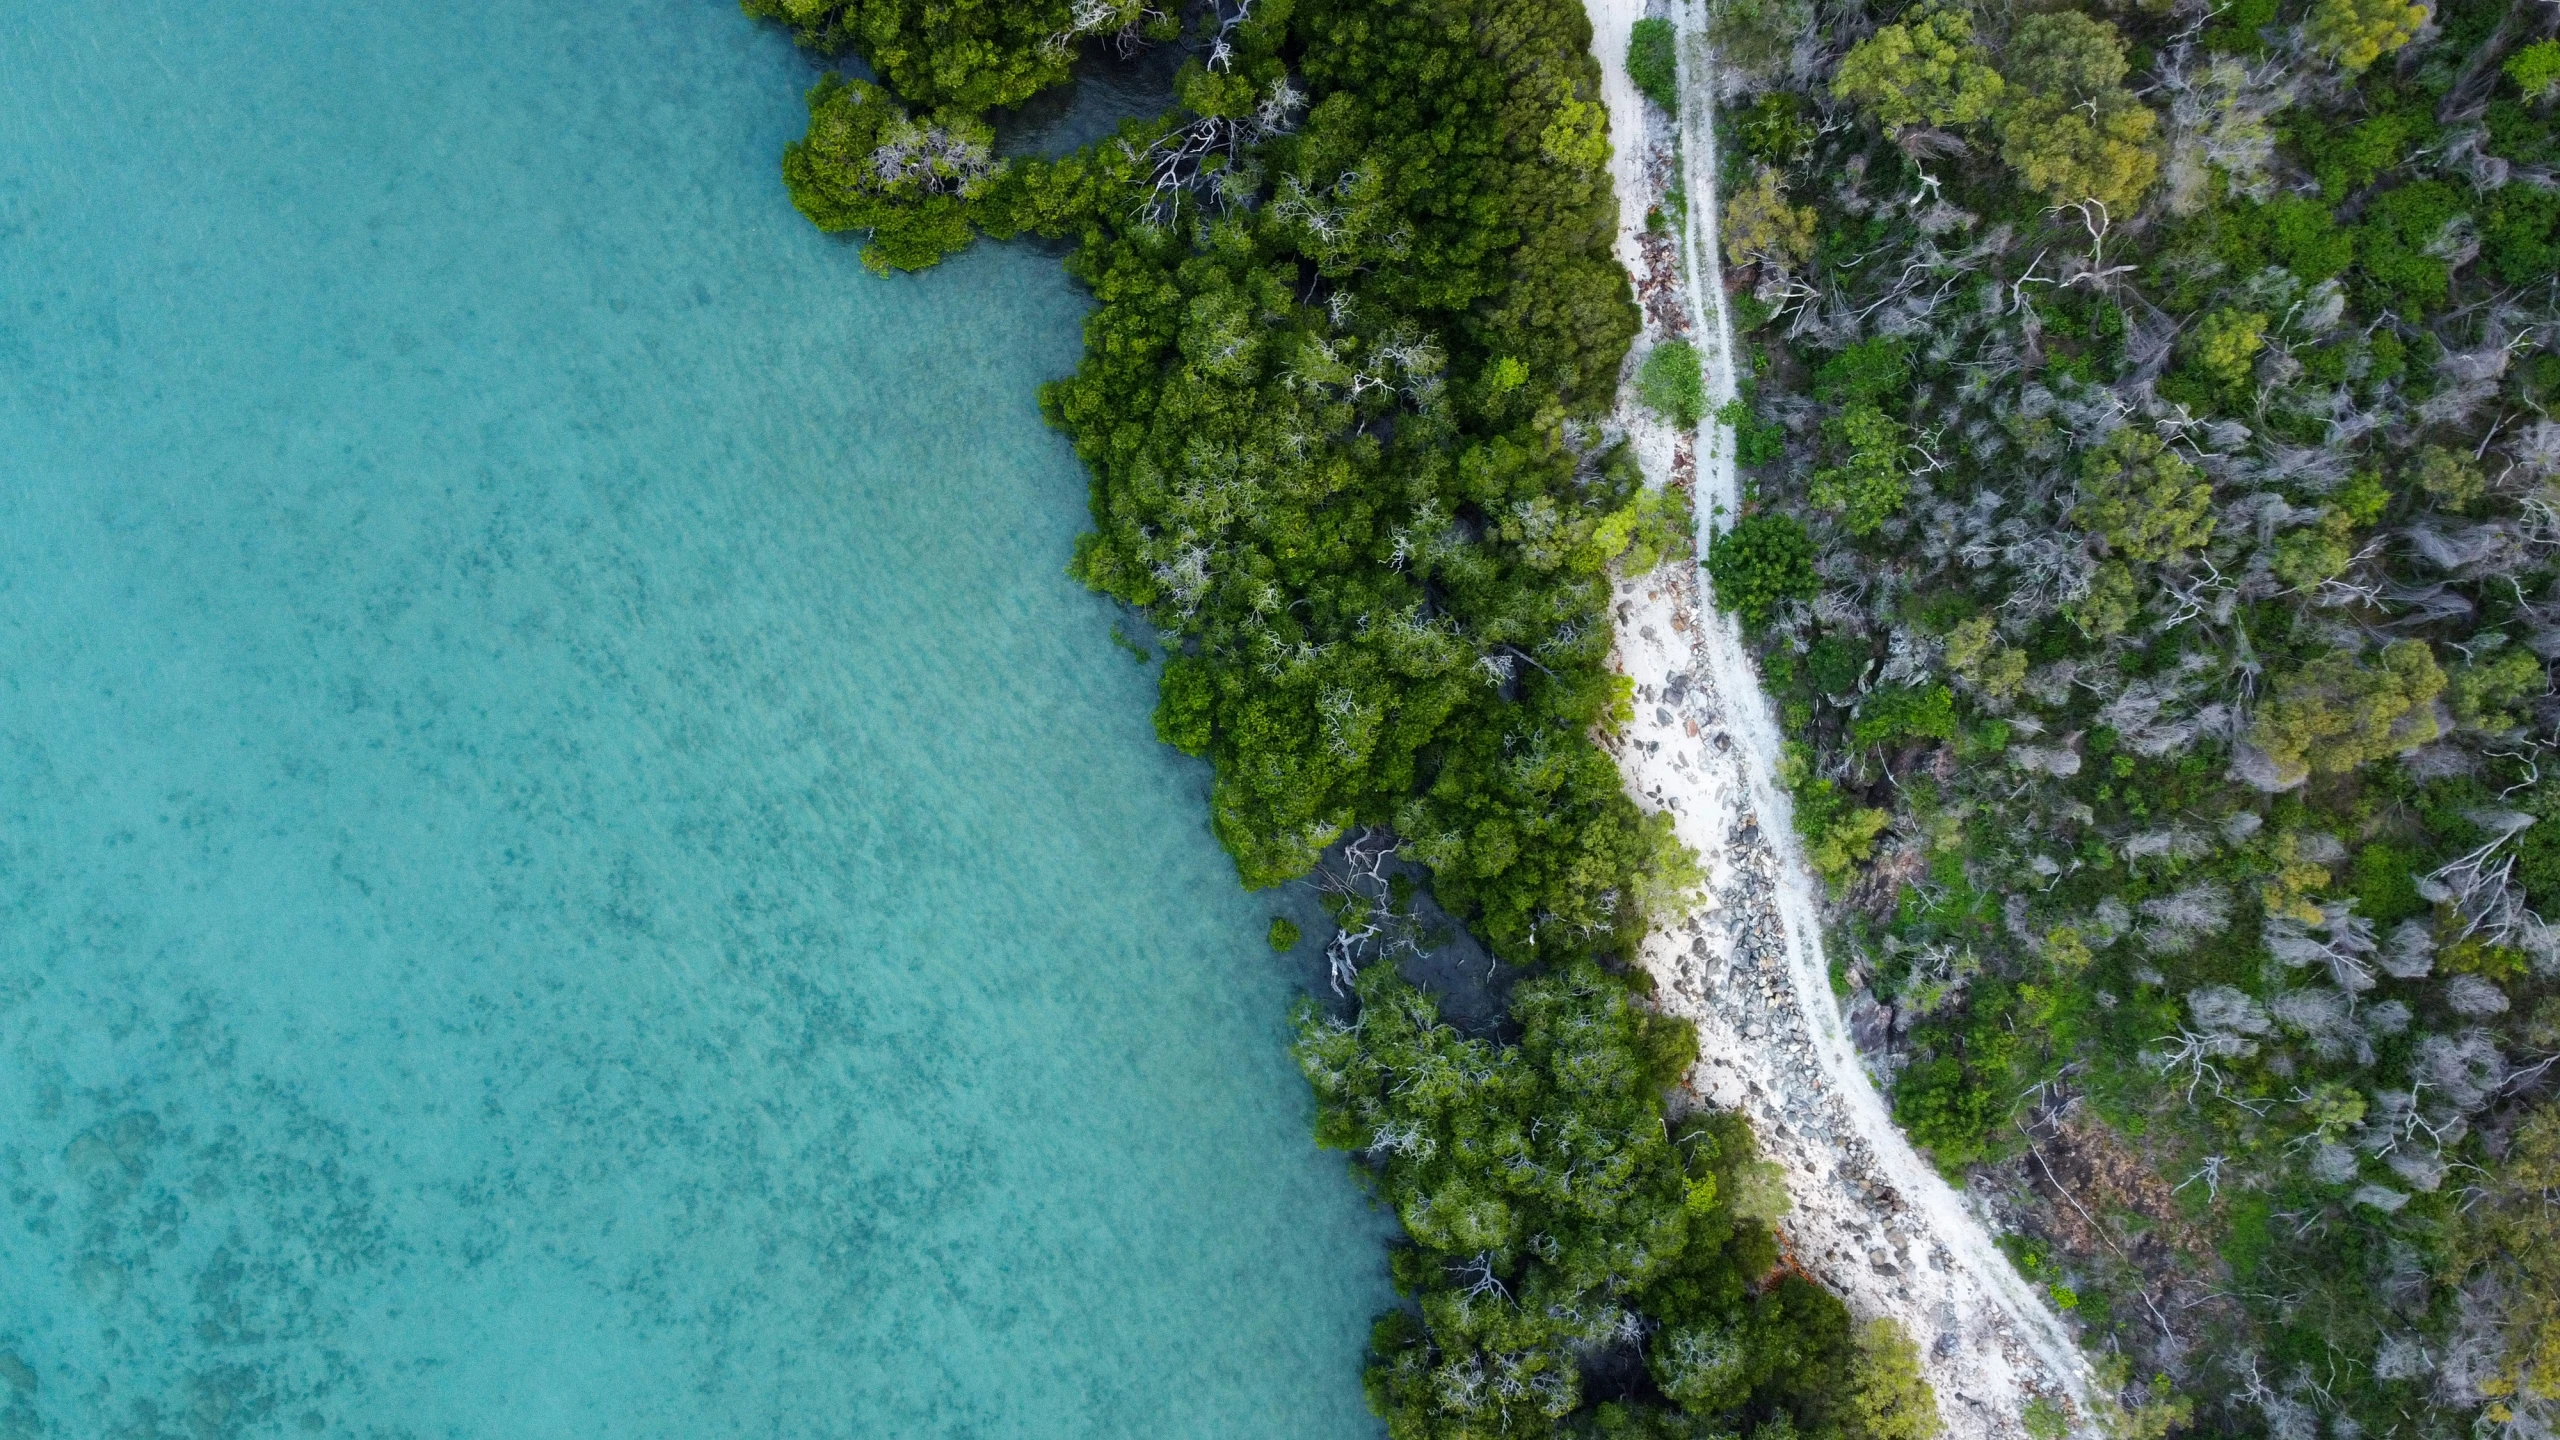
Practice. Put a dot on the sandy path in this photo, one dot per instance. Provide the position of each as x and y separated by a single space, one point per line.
1871 1219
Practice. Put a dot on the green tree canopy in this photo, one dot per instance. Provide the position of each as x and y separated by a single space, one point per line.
1553 1213
1759 564
864 165
956 59
2144 499
2486 692
1925 69
2536 69
1867 488
1328 438
1759 224
2069 128
2335 713
2355 33
2226 344
1887 1399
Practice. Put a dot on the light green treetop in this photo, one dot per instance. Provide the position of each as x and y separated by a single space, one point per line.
1867 488
2484 690
2144 499
2335 713
1759 224
2070 129
1924 70
2355 33
2536 69
1887 1399
2227 344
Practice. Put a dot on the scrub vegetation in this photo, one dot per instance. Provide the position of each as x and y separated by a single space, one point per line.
1358 324
2150 544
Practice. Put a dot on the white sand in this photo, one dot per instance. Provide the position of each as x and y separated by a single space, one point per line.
1870 1218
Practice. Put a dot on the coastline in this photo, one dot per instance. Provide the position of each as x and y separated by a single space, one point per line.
1870 1218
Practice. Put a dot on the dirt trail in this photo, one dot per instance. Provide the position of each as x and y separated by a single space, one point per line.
1870 1218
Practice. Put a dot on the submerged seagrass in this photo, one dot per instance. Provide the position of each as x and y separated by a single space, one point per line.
571 863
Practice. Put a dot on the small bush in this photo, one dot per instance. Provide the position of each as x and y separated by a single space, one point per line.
1653 65
2385 889
1906 713
1673 385
1836 664
1755 441
1866 373
1761 564
1284 934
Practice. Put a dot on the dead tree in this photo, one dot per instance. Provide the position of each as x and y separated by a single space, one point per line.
1367 925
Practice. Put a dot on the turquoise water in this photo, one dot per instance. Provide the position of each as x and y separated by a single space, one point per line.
570 864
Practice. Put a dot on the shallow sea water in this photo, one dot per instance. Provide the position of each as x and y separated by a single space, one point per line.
570 863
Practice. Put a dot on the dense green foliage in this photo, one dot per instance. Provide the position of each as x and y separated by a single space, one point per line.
1672 384
961 57
1334 446
1925 68
1359 325
865 165
1553 1215
2155 565
1759 564
1653 62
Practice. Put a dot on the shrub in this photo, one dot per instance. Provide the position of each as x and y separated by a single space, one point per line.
1836 664
1975 653
1761 564
2348 158
1864 374
1654 64
2386 890
2144 499
2235 27
1924 70
2315 554
1867 488
2391 246
1755 441
1673 385
2520 241
1906 712
2451 478
1945 1113
2536 69
2305 238
1774 131
2355 33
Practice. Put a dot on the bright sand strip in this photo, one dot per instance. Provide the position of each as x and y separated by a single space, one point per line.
1870 1219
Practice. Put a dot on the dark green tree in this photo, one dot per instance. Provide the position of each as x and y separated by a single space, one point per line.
1760 564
